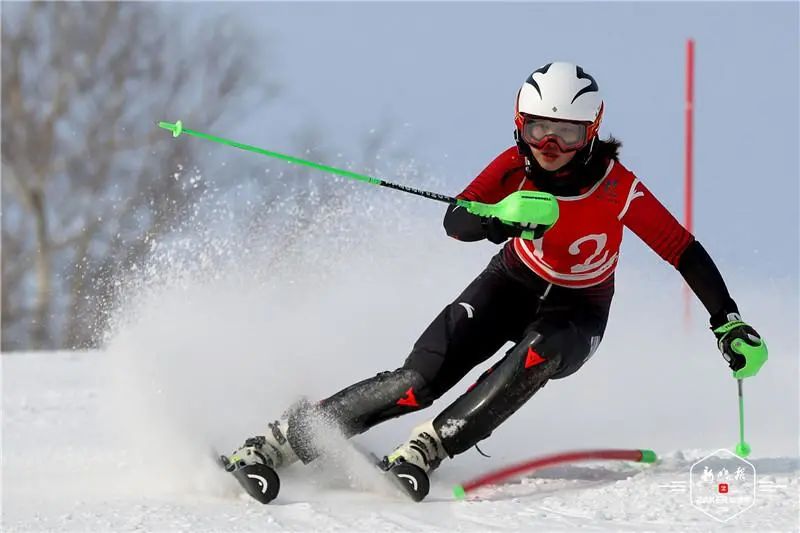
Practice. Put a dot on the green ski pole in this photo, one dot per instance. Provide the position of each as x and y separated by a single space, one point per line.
742 448
524 208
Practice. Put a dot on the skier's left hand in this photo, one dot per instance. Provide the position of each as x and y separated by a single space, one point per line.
742 347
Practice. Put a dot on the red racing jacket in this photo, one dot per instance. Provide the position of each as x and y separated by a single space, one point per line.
582 248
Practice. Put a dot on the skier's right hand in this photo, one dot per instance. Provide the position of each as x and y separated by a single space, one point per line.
499 232
742 347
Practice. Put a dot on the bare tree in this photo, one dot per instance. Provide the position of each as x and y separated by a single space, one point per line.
88 181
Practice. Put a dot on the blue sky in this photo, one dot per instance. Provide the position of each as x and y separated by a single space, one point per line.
443 77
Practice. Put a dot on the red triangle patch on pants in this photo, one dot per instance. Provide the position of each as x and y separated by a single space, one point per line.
409 400
533 358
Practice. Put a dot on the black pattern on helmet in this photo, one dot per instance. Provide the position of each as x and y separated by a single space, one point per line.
532 81
591 88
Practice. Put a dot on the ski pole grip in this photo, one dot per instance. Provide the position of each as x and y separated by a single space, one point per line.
529 208
479 209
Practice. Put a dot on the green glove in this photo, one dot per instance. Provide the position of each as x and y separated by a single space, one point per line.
742 347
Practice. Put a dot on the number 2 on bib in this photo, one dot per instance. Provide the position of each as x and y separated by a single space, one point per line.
599 240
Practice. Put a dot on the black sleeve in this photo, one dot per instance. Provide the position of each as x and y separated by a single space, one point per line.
703 277
463 225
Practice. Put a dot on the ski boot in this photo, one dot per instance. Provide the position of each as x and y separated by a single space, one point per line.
410 463
254 464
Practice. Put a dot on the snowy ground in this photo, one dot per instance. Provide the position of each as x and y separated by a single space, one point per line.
219 338
65 470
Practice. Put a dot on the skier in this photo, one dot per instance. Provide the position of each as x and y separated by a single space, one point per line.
549 295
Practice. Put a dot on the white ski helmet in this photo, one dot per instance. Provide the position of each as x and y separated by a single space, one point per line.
560 91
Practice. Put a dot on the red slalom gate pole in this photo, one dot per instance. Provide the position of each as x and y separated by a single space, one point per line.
639 456
688 181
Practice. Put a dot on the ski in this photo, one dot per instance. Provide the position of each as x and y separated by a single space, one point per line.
410 479
258 480
262 483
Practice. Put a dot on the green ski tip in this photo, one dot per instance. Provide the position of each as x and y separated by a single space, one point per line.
742 449
459 493
648 456
176 128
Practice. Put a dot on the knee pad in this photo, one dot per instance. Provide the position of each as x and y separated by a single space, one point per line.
525 369
573 344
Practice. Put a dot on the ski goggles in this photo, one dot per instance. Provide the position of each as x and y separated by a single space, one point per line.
569 136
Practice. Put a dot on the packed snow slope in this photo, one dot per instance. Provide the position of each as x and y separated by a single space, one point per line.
65 470
217 336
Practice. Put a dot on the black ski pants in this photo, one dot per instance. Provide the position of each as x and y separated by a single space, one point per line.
554 330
